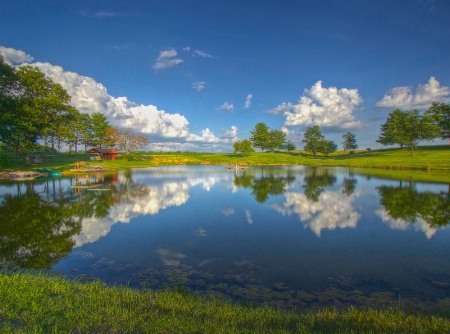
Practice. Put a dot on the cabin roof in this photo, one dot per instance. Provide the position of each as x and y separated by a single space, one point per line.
102 150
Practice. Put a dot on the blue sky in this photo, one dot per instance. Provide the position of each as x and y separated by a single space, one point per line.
197 75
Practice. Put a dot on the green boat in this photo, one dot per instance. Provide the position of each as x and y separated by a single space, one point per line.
49 172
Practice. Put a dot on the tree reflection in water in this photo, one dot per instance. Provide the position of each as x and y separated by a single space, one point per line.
263 186
316 180
34 232
408 204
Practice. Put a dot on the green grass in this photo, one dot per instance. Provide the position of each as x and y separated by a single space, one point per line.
435 160
44 304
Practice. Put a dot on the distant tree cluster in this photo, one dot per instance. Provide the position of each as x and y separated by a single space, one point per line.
243 147
34 109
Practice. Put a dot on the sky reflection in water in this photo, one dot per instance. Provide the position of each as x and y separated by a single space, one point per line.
286 236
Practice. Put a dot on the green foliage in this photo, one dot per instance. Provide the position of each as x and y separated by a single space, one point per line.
327 147
440 115
289 146
243 146
277 139
407 128
99 127
349 142
260 136
313 139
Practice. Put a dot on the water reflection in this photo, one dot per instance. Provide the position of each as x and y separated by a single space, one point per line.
36 232
264 182
404 204
302 236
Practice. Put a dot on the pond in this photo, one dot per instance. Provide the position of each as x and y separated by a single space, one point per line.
285 236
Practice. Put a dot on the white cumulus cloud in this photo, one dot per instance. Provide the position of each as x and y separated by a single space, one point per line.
421 97
329 107
167 59
13 56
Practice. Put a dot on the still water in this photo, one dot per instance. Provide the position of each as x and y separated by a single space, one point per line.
284 236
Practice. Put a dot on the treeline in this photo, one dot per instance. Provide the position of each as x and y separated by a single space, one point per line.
36 111
404 128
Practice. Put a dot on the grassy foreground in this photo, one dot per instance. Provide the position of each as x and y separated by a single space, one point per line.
44 304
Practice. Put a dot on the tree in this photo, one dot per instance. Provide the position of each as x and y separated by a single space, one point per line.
440 115
408 128
327 147
277 139
349 142
289 146
99 127
260 136
243 146
126 140
313 139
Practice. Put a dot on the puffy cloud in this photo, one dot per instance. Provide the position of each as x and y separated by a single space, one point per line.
407 97
329 107
226 106
13 56
333 210
248 101
230 135
89 96
282 108
199 86
207 135
167 59
403 225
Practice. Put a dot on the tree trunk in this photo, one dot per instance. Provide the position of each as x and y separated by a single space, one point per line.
412 150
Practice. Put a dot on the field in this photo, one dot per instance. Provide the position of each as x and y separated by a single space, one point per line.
430 163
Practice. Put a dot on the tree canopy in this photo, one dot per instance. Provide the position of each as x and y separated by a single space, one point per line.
407 128
315 141
440 115
260 136
243 146
349 142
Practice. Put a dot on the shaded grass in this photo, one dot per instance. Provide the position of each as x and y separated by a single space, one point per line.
44 304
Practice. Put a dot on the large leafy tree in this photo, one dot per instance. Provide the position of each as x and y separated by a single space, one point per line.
243 146
313 139
327 147
14 126
260 136
440 114
40 110
349 142
277 139
407 128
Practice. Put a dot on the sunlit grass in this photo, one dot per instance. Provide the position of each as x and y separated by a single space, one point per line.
43 304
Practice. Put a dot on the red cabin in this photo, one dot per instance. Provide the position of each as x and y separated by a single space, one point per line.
105 153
